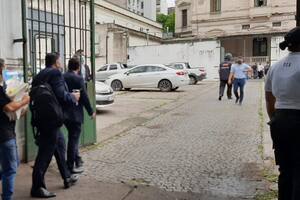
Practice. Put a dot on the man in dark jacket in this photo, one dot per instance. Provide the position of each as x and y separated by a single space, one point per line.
51 140
74 113
224 73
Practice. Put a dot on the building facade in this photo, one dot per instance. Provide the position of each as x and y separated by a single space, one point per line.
117 29
146 8
245 28
161 7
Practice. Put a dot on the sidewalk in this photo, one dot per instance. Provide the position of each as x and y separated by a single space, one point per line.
88 189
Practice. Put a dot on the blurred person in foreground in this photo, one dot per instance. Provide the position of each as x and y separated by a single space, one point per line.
282 90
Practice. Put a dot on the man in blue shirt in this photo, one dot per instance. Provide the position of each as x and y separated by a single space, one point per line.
238 75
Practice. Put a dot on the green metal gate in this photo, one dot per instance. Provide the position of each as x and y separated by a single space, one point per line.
62 26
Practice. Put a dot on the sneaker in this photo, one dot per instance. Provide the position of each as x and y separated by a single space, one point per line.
77 170
71 181
220 98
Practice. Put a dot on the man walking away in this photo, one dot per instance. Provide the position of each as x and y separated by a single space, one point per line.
283 106
51 140
8 147
84 68
238 75
74 113
224 73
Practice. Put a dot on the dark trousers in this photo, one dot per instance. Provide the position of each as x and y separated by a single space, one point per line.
223 84
285 132
51 142
239 84
74 130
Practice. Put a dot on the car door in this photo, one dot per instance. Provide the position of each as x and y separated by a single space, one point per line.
153 76
135 77
101 73
113 69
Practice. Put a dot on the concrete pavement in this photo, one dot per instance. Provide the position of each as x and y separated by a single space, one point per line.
184 145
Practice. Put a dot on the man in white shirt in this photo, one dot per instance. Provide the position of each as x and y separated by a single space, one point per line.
283 106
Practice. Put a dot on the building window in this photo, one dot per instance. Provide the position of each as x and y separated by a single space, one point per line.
246 27
215 5
184 18
142 5
260 47
276 24
260 3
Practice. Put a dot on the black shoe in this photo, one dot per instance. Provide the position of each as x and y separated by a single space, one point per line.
237 100
220 98
229 98
71 181
79 162
77 170
42 193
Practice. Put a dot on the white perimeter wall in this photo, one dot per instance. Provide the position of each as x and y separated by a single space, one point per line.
199 54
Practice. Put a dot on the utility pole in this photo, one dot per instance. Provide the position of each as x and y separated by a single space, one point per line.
298 13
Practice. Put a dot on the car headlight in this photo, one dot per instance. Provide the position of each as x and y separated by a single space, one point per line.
108 91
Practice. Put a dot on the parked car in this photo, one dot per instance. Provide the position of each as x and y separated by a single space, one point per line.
149 76
105 71
104 95
195 74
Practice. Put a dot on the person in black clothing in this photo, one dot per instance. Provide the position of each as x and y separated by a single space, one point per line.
224 73
51 140
8 146
74 113
283 106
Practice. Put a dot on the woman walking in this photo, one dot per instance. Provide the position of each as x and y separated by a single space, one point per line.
283 106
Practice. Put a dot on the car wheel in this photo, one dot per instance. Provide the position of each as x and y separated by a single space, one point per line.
117 85
193 80
127 89
165 86
174 89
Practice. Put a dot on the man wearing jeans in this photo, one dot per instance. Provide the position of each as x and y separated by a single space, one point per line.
8 148
238 75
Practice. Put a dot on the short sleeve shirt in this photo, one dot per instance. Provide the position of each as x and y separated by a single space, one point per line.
240 71
283 80
7 128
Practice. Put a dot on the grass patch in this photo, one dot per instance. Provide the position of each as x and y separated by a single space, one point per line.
267 196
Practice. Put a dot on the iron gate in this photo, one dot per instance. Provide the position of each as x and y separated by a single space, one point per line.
62 26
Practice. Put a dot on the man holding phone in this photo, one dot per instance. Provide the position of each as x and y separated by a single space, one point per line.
74 116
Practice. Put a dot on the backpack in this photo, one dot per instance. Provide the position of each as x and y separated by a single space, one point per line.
45 109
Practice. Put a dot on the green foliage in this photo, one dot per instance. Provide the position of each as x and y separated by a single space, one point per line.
168 22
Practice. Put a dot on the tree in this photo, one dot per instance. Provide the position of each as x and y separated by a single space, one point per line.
168 22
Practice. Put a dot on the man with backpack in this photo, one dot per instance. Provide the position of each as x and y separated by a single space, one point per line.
8 146
74 113
49 94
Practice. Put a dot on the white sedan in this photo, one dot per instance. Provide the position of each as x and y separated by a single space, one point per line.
104 95
149 76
